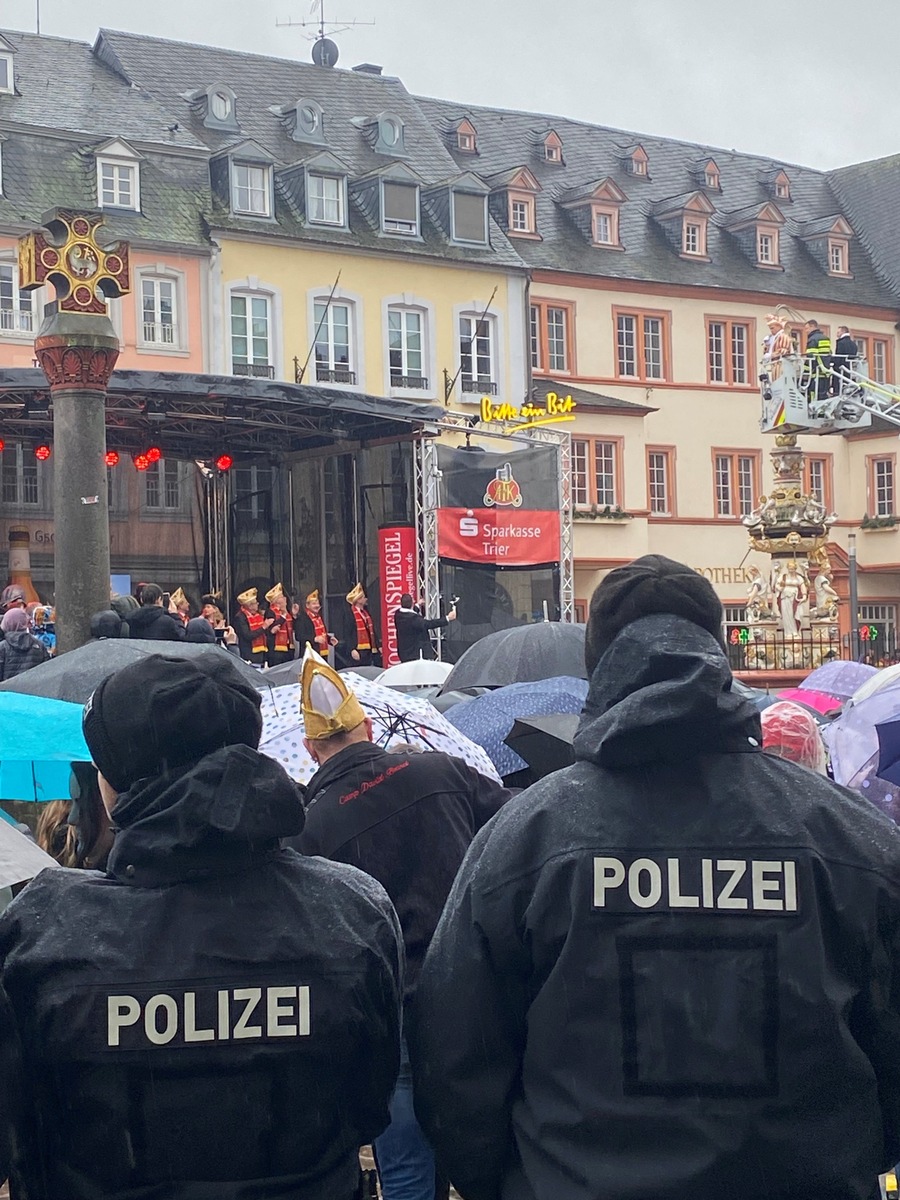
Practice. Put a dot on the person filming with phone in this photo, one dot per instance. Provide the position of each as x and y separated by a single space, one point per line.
154 621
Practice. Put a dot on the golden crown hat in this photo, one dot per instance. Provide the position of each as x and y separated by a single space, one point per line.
313 597
247 597
327 704
179 598
355 594
274 593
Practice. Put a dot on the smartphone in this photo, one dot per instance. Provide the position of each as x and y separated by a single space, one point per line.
220 635
166 601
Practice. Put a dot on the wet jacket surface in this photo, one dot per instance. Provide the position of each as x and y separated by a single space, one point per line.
405 819
669 970
412 634
153 623
19 652
215 1019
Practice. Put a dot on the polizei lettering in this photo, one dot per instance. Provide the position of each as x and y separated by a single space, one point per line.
206 1016
694 884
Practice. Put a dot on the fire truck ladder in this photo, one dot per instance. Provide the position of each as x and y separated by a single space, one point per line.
857 394
797 396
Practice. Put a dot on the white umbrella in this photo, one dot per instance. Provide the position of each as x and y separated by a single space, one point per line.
20 858
421 672
396 718
887 677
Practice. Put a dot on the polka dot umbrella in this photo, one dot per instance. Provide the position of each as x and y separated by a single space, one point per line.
396 718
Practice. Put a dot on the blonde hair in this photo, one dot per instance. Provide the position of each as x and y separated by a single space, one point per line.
55 835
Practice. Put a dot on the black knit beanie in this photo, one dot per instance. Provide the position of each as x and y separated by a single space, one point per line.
652 584
162 713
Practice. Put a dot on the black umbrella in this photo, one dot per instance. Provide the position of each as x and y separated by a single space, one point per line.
73 676
519 655
545 742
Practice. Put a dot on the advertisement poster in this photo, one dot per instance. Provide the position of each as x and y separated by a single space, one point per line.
398 572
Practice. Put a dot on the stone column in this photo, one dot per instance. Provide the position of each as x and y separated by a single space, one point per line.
77 353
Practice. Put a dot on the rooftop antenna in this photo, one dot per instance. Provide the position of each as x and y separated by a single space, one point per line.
37 17
324 51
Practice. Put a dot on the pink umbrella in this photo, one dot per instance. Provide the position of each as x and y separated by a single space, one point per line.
820 702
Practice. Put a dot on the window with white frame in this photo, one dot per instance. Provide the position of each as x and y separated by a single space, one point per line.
837 258
251 189
659 482
767 248
117 184
727 348
333 347
693 234
520 216
603 228
16 306
7 75
882 622
595 473
711 178
469 217
816 479
878 365
162 486
251 337
19 476
159 312
557 338
400 208
640 347
325 199
581 454
406 348
882 486
735 480
476 355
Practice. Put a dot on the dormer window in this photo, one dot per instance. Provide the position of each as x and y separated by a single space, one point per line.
221 105
118 177
251 189
711 178
469 222
309 119
639 163
553 149
767 247
514 205
693 238
7 74
605 226
325 199
216 106
782 187
389 135
838 257
466 137
400 208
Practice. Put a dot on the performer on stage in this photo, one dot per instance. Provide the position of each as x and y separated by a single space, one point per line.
309 626
180 606
282 645
358 645
252 629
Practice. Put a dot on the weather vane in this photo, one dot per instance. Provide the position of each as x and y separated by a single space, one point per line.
325 52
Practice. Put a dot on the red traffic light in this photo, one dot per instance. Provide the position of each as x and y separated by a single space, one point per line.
141 462
224 462
153 454
42 452
112 458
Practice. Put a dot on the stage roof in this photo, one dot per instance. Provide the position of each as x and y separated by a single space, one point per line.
193 416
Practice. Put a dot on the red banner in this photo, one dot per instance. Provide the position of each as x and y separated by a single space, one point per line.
504 537
397 558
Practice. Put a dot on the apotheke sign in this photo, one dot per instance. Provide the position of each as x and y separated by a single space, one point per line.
725 574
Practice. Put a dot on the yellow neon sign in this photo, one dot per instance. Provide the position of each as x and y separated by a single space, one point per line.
558 409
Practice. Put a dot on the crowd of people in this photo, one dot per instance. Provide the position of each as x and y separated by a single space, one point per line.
667 970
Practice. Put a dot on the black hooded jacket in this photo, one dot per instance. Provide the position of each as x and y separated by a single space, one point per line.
153 623
407 820
216 1018
670 970
19 652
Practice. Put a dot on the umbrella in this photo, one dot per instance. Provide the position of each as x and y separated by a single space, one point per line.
888 734
39 740
888 677
759 698
421 672
395 718
20 858
518 655
73 676
840 679
817 702
489 719
545 743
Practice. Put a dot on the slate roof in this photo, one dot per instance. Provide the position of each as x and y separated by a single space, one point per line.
869 195
166 69
62 88
587 400
506 140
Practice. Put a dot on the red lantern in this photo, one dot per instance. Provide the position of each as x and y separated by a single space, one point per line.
224 462
153 454
112 458
42 452
141 462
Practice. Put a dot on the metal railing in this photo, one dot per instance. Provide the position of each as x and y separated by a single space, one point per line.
335 375
159 332
16 321
254 370
484 387
419 382
756 648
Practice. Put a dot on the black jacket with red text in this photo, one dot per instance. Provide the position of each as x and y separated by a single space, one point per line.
670 970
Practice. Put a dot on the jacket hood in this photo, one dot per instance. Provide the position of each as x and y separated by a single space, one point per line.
20 639
662 693
143 618
212 818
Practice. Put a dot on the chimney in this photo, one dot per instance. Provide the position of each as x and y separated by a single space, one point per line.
368 69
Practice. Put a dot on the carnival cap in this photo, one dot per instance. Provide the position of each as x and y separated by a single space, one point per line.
248 597
313 597
179 598
356 594
328 705
274 593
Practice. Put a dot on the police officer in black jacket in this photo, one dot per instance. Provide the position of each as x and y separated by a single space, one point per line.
214 1017
669 970
405 819
412 630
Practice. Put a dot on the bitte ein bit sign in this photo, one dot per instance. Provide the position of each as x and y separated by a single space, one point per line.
556 410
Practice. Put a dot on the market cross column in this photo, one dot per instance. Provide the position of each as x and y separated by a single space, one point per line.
77 348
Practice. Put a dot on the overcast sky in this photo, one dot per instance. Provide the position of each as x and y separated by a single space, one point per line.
811 83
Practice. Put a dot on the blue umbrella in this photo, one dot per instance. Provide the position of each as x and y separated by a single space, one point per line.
39 739
488 719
